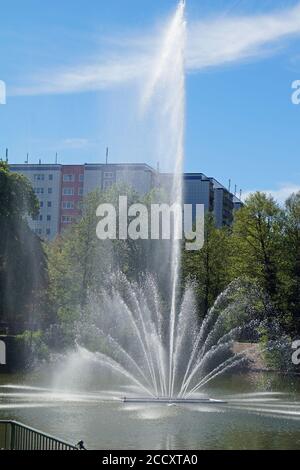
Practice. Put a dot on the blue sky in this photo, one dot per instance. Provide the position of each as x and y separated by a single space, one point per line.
74 68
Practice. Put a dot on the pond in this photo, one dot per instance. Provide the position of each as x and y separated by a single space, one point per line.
262 412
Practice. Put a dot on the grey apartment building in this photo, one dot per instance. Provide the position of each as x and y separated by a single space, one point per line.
200 189
61 188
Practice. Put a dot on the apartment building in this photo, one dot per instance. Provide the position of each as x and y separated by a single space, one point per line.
61 188
141 177
200 189
72 180
46 183
223 204
237 203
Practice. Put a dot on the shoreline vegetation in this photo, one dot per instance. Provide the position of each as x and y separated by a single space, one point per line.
46 288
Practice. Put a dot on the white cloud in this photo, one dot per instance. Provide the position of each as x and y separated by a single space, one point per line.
227 40
211 42
281 194
84 77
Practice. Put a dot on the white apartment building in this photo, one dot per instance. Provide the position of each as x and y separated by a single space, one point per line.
60 188
46 183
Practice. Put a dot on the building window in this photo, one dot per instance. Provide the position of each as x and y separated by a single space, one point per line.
107 184
68 191
66 219
39 190
41 204
48 231
49 204
80 192
41 218
38 231
68 205
50 177
81 177
108 174
69 178
48 218
39 177
49 190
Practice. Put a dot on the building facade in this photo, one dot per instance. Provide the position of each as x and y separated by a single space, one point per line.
46 183
223 204
72 179
141 177
61 188
200 189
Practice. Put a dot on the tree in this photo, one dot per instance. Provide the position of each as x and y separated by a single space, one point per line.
209 266
80 264
291 251
256 246
17 198
23 276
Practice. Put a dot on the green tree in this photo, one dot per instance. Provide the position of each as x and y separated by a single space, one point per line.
291 252
23 275
80 264
256 242
209 266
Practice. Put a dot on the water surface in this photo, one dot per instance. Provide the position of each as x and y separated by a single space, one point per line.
263 412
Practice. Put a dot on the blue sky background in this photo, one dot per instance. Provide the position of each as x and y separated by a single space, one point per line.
66 93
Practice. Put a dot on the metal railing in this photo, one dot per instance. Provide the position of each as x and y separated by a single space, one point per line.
17 436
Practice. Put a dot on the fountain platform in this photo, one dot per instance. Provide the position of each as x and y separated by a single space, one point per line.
182 401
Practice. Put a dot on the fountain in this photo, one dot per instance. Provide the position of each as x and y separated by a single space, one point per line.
130 334
149 344
158 344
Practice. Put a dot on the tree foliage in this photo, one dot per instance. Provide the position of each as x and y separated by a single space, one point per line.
261 249
23 274
209 266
